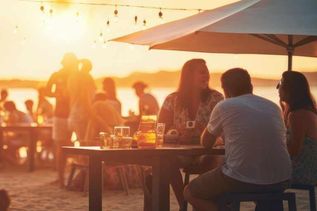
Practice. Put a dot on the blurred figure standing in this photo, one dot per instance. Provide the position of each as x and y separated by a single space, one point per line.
109 87
148 105
57 87
81 88
29 108
3 97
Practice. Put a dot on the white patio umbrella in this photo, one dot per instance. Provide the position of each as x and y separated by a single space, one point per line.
279 27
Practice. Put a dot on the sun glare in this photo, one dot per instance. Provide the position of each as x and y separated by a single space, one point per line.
65 27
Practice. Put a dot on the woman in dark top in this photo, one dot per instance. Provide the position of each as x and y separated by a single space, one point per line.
300 115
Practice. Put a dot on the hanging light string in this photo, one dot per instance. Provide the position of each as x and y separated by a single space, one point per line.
136 18
114 5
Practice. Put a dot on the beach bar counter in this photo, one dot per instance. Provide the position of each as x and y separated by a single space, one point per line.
158 158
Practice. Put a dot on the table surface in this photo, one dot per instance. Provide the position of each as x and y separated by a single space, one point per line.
175 149
25 126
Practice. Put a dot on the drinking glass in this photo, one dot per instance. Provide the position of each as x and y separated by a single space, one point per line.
121 133
160 130
105 140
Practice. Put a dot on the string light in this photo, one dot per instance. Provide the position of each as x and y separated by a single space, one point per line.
115 12
16 28
135 19
116 5
42 8
100 36
160 13
46 10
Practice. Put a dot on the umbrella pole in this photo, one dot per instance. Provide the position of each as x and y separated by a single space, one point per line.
290 61
290 51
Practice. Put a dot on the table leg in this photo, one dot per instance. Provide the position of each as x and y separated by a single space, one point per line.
32 149
1 146
160 185
95 183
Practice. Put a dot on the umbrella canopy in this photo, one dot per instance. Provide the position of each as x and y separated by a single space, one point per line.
280 27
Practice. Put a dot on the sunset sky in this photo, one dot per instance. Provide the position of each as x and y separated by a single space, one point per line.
33 43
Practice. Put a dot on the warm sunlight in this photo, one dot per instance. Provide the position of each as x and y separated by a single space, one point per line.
158 105
67 26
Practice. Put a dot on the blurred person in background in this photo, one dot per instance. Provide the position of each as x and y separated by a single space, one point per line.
14 116
81 89
3 98
104 117
29 108
148 105
15 140
56 87
109 87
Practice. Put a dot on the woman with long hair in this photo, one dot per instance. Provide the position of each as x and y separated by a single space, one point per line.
300 114
109 87
187 110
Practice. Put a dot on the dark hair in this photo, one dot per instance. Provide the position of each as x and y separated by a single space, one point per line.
109 87
236 81
9 105
4 92
29 102
185 91
297 91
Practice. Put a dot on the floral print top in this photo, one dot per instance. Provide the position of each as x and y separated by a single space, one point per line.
305 164
181 116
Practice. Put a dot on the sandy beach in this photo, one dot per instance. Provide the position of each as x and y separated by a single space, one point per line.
34 191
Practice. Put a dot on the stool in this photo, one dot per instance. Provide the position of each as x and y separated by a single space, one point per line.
234 199
311 190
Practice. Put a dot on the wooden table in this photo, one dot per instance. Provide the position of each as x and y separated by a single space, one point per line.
33 130
158 158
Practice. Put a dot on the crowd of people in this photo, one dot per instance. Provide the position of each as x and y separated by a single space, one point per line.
266 146
81 109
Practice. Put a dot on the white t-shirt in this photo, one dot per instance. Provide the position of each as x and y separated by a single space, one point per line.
255 139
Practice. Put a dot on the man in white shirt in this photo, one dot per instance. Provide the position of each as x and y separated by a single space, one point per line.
256 157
